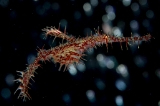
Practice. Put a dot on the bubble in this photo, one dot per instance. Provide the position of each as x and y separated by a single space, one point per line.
116 31
146 23
90 95
158 73
46 5
106 27
135 7
100 84
40 10
150 14
72 70
100 57
122 69
87 7
109 8
4 3
120 85
159 103
30 58
63 23
9 79
5 93
105 18
140 61
142 2
81 67
90 51
94 2
66 98
111 16
110 64
55 6
104 1
126 2
119 100
77 15
134 25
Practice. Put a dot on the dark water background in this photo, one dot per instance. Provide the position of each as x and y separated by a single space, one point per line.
117 78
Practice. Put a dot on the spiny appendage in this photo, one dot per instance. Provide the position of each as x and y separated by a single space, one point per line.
100 39
28 74
24 91
108 38
23 87
71 53
67 54
24 81
58 34
133 39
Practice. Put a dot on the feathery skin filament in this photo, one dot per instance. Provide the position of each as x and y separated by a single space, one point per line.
68 53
